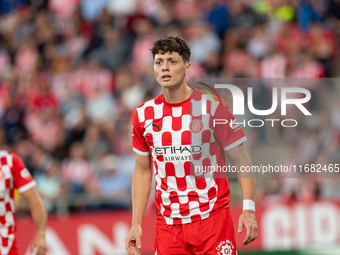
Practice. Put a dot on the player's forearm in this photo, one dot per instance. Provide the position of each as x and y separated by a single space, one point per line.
248 188
141 187
247 180
39 215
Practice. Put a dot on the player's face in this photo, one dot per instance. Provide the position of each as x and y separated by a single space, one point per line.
170 69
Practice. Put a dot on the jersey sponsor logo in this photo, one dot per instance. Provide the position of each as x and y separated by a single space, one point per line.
225 248
196 126
177 153
158 127
24 173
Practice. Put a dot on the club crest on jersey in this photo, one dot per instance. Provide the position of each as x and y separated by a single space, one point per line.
25 173
196 126
225 248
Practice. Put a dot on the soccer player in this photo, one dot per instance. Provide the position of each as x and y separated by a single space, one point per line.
13 174
193 215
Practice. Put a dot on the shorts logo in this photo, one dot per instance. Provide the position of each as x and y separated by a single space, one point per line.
196 126
225 248
24 173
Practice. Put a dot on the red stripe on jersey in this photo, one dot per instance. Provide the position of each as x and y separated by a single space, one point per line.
186 137
193 196
150 112
181 183
164 184
212 193
186 111
3 161
195 217
201 183
206 162
8 207
166 139
206 136
188 168
2 220
167 211
204 206
196 156
7 183
170 169
11 193
176 124
184 209
4 241
173 197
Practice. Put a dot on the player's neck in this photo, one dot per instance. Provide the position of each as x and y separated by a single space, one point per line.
177 95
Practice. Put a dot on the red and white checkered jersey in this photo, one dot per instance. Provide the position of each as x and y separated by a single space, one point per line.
13 174
180 138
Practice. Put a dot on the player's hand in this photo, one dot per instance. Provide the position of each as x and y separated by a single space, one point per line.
133 240
247 220
38 246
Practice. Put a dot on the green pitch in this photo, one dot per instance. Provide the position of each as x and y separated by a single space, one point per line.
321 250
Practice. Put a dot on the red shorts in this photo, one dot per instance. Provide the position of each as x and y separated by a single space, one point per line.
214 235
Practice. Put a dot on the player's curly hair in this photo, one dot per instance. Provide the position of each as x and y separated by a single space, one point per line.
172 44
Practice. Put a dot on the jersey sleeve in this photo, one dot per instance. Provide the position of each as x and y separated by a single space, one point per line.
227 130
23 180
139 143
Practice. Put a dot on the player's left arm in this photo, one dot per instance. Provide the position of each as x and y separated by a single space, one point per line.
240 157
39 216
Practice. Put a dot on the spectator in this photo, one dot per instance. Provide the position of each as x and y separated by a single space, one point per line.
112 184
50 187
76 172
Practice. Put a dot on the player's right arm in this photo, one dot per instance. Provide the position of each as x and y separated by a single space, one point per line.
24 183
141 187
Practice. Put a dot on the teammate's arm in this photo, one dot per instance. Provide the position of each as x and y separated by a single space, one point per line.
240 157
141 187
39 216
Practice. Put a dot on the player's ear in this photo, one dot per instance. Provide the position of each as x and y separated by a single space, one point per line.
187 67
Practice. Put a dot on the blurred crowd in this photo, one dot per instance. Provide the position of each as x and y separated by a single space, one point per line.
73 71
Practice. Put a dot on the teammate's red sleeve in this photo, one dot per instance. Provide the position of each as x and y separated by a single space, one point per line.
228 134
139 143
23 180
